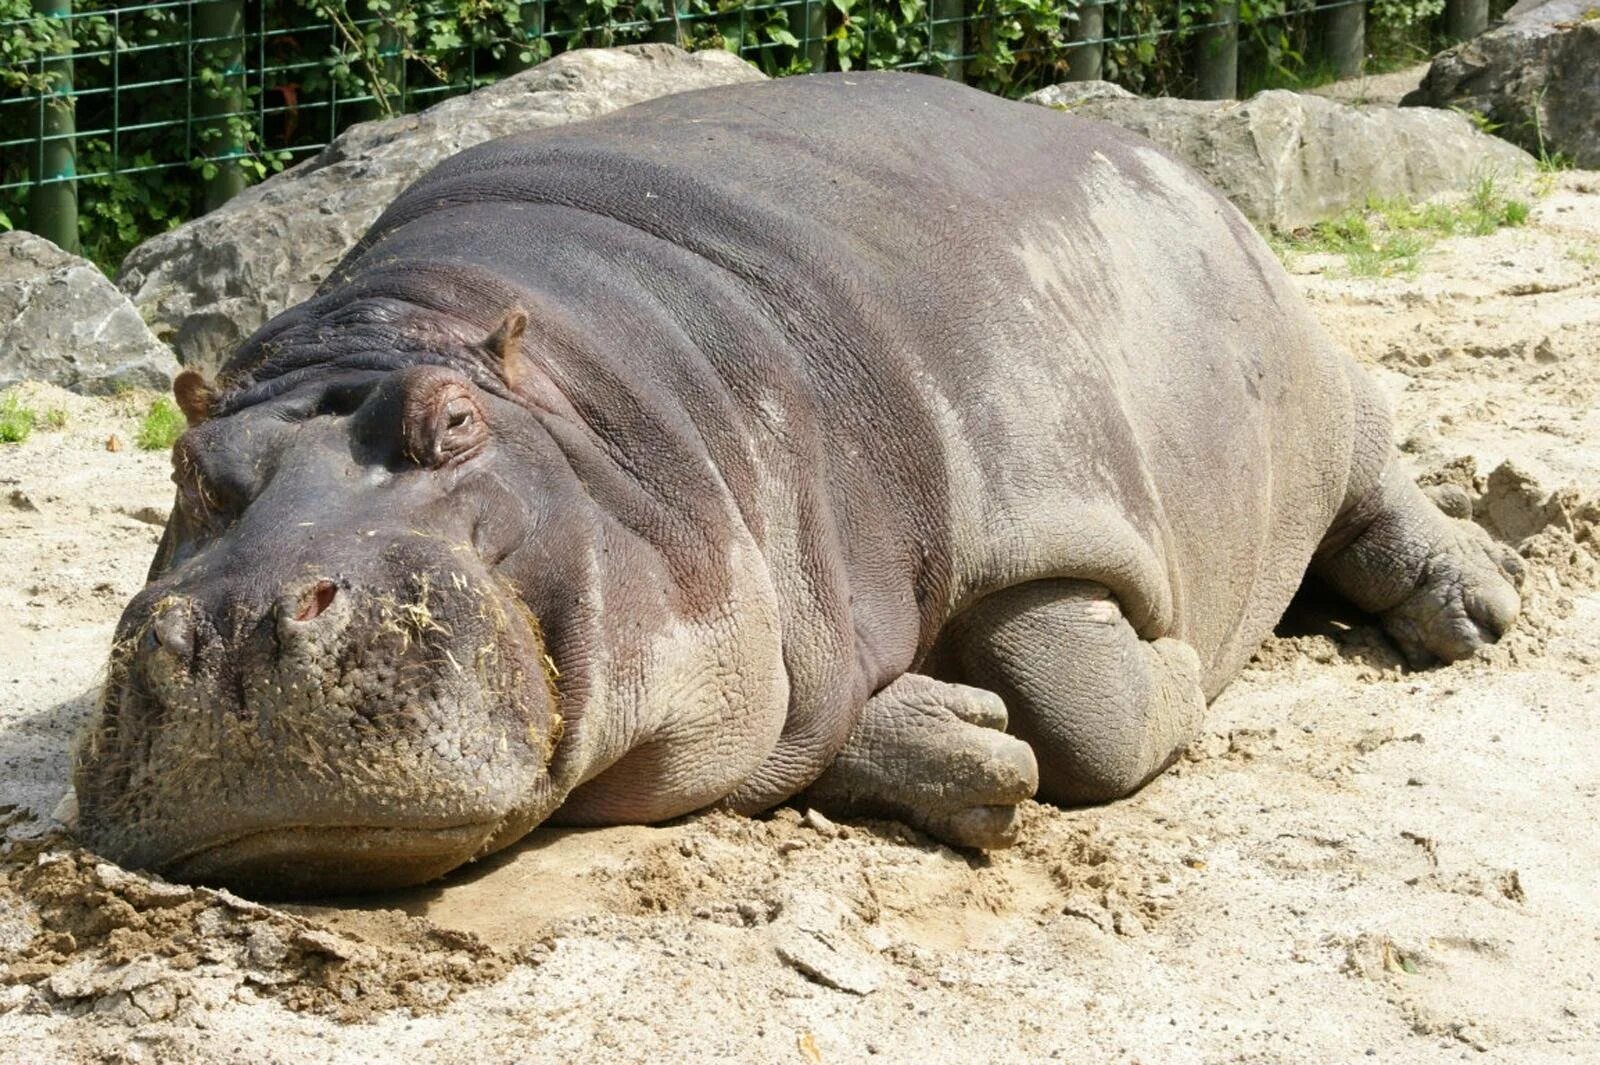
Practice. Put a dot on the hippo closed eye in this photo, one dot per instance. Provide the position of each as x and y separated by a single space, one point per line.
856 436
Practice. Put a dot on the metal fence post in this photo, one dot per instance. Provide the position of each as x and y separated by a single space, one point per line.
949 36
220 26
53 200
1465 19
1344 37
1217 54
1086 60
816 35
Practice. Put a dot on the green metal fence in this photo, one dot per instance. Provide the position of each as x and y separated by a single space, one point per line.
160 110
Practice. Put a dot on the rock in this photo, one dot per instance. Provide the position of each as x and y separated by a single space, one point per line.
819 823
207 285
1515 506
818 938
1539 71
62 321
1289 160
1070 94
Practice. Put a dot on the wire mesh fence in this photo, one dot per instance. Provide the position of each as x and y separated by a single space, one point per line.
149 112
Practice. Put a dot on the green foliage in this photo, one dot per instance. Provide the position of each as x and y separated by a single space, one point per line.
1401 33
324 64
16 421
117 211
1389 237
1548 162
1480 121
163 423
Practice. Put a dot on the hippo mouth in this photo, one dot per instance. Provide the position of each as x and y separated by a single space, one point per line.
311 860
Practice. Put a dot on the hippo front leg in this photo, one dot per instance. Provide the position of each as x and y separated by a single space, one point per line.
1442 587
935 756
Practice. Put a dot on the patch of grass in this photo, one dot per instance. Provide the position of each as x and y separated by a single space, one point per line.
163 423
16 421
1488 208
1363 238
1389 237
1481 121
55 418
1554 162
1548 162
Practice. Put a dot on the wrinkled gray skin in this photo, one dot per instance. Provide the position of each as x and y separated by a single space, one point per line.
857 419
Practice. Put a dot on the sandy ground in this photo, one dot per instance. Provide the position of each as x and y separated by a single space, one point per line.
1355 862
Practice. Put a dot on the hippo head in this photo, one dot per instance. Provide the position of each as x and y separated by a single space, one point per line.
327 685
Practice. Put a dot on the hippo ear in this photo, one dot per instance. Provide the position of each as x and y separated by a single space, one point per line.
195 396
504 345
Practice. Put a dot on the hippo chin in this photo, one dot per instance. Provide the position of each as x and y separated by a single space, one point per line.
864 436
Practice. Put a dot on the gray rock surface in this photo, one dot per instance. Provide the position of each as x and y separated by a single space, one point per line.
1538 72
62 321
1289 160
1071 94
207 285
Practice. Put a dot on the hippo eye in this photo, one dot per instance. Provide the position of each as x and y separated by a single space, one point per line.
443 422
460 431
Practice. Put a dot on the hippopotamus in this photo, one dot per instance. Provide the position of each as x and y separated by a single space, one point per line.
857 439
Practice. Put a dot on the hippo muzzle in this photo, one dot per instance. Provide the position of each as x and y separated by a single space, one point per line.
313 702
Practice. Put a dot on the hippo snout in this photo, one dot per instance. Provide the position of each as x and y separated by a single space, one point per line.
319 734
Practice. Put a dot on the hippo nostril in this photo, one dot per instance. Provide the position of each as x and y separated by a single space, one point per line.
173 629
316 600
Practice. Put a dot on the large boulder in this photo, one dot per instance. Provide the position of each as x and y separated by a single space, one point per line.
1536 76
1288 160
62 321
207 285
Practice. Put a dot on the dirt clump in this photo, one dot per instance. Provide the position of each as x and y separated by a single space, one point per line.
132 948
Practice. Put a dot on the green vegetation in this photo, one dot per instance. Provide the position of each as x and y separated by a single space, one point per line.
1389 237
163 423
16 420
1549 162
381 57
1584 255
1482 122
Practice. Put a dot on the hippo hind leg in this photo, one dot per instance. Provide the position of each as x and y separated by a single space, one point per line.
1441 586
1103 709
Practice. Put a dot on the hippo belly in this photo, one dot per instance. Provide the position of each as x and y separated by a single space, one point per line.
861 435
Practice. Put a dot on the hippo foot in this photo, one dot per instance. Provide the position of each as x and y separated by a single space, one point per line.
1465 599
1441 586
932 755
